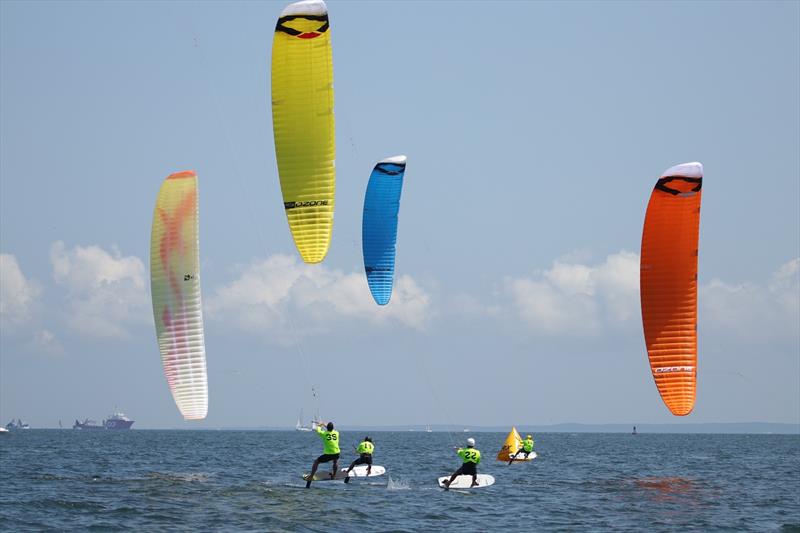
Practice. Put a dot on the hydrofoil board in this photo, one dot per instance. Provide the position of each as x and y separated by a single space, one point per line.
357 471
464 481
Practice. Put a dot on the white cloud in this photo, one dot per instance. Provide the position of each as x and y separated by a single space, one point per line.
785 287
106 292
571 279
278 294
748 311
578 299
18 294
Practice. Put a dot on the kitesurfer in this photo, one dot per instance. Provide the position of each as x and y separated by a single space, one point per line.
471 457
365 450
330 451
527 448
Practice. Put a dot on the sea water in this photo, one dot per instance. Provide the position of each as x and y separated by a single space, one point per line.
251 480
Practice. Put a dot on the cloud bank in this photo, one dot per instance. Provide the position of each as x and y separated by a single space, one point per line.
279 294
576 299
280 297
106 292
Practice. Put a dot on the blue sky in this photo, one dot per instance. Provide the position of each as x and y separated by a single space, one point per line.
534 134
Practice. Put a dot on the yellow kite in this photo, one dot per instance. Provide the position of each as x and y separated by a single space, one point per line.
302 121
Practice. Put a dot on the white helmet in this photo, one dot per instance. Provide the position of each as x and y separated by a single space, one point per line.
470 442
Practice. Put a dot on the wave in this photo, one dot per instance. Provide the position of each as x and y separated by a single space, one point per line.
188 477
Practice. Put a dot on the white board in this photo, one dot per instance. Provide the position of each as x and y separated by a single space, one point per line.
361 471
464 481
521 457
357 471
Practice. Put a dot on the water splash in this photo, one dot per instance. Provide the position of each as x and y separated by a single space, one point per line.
398 484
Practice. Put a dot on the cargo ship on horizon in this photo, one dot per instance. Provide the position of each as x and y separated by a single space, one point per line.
116 421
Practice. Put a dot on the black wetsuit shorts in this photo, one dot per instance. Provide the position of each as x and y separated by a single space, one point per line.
469 469
365 459
326 457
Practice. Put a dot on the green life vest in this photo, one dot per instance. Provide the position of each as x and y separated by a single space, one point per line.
330 441
366 447
527 445
470 455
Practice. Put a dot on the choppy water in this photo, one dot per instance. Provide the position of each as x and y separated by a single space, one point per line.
250 480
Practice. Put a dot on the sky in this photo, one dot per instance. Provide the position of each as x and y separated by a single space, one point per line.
534 134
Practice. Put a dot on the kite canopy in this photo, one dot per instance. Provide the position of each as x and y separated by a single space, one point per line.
668 280
303 124
175 288
379 225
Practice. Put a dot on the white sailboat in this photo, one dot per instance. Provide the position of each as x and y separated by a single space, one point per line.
299 426
316 422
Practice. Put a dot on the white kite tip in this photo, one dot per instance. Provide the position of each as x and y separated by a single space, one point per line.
685 170
397 160
305 7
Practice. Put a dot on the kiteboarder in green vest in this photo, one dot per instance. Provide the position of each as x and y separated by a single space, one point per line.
330 451
365 450
471 458
527 448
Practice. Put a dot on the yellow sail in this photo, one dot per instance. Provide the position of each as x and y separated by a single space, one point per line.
511 446
302 121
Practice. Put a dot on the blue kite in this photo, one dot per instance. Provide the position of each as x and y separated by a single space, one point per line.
379 225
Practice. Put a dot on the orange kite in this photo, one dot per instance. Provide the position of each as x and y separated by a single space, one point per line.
668 281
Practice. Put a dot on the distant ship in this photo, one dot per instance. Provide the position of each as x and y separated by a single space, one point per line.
19 424
428 429
87 424
116 421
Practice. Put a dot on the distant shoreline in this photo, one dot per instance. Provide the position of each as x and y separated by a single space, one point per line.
754 428
742 428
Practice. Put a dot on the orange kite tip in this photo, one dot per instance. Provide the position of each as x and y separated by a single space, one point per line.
682 412
181 175
685 170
